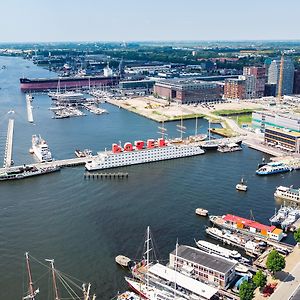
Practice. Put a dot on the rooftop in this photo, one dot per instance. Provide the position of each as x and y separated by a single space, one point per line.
210 261
186 282
291 133
248 223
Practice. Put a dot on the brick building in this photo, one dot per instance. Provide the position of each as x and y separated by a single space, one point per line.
235 88
188 91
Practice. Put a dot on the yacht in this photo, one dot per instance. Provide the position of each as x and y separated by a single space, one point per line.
216 249
40 149
241 186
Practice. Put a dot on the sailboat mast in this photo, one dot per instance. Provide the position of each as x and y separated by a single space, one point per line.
196 128
147 252
31 289
176 253
209 130
54 278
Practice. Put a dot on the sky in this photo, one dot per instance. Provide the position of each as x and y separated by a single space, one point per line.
148 20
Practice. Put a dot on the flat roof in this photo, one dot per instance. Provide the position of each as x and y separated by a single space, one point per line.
247 222
210 261
184 281
292 133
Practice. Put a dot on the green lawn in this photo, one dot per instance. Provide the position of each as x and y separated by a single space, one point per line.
231 112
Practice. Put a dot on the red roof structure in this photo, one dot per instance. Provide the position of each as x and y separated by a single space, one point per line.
248 223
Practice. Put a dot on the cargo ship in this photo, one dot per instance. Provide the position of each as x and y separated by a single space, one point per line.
141 152
67 83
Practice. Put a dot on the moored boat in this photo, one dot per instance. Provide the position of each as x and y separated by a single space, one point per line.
40 149
123 261
26 171
141 152
288 193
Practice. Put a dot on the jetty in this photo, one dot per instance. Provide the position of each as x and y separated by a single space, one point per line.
9 144
29 108
79 161
105 175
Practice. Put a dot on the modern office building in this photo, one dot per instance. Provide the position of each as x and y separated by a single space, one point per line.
283 139
203 266
267 119
255 81
297 82
188 91
235 88
288 75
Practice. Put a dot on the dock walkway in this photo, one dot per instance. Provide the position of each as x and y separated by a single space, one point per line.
9 144
29 108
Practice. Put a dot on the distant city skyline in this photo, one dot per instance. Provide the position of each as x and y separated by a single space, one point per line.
133 20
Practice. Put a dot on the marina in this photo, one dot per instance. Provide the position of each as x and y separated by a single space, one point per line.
68 195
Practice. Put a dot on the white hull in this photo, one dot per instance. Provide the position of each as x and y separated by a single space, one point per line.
40 149
110 160
288 194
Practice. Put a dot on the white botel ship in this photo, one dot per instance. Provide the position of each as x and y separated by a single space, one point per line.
40 149
141 152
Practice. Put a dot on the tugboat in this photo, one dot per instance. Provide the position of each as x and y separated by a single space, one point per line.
241 186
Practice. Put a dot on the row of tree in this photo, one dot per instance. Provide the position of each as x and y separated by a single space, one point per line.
275 263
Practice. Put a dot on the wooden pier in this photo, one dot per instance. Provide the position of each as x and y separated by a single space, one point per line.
105 175
9 144
29 108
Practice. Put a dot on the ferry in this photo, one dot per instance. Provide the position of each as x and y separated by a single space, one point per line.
141 152
26 171
249 227
288 193
273 168
218 250
40 149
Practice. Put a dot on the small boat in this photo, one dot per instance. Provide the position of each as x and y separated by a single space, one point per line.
128 296
123 261
201 212
84 153
241 186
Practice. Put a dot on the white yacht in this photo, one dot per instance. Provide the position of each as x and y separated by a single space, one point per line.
216 249
40 149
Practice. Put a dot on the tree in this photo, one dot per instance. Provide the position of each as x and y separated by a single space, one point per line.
297 235
246 291
260 279
275 262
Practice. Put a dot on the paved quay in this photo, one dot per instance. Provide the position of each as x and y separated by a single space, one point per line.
288 280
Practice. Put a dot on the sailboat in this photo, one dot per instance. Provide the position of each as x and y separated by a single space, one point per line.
57 276
197 137
210 144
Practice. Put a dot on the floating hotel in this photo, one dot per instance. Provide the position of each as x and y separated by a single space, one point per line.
141 152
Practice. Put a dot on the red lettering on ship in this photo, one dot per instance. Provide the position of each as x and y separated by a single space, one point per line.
128 147
139 145
161 143
150 144
116 148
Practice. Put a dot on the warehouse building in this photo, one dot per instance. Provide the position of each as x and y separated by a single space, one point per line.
188 91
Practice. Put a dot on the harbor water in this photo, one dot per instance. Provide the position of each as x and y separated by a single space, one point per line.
84 224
